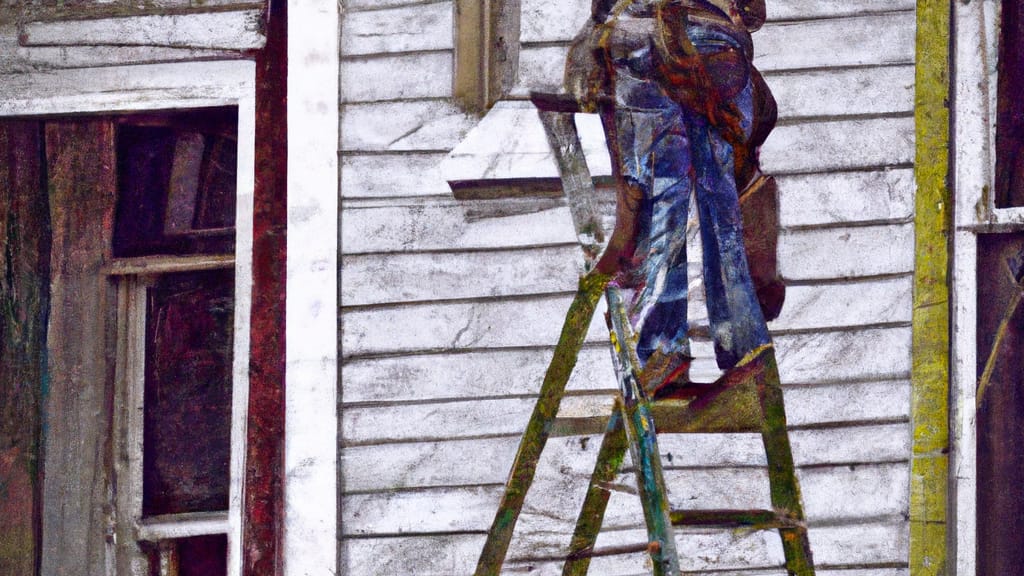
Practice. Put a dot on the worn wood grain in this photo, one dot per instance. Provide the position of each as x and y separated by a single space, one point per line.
846 252
142 87
82 183
392 175
398 29
846 197
24 305
234 30
843 91
443 555
559 21
22 59
474 461
395 126
446 227
509 144
425 75
867 40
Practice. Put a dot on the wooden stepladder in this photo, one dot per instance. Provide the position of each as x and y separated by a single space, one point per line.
747 399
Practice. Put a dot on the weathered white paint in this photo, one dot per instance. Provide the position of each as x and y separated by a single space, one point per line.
395 126
865 40
391 77
846 197
559 21
401 29
232 30
311 331
817 254
125 88
510 143
21 59
392 175
974 149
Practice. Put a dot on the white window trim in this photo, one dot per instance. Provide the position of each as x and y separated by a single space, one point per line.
975 64
137 88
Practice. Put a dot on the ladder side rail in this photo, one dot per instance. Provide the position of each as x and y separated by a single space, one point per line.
643 442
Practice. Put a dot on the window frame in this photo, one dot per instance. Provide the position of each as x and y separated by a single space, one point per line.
174 86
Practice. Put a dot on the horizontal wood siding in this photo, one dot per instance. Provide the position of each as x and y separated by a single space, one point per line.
450 310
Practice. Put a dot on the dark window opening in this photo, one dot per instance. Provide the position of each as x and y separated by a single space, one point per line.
176 181
1010 108
188 380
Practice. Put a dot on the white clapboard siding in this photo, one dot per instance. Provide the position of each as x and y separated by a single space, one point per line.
868 40
846 197
846 252
16 59
445 226
859 546
226 30
544 21
397 76
476 461
843 92
830 494
464 419
399 126
401 29
393 175
535 321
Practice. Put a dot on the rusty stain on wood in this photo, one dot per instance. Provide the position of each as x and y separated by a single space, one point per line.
24 304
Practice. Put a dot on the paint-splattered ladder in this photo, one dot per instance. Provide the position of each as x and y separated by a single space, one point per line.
748 399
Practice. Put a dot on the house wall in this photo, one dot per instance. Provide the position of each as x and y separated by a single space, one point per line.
450 309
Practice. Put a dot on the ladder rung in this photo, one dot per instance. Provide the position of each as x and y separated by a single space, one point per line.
609 551
756 519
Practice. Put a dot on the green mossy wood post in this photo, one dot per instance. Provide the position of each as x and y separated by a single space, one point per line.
574 331
24 303
931 344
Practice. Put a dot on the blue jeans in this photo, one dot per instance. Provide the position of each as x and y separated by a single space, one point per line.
668 151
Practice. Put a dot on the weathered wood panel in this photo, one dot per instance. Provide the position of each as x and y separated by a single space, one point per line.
24 304
477 418
559 21
19 59
445 226
143 87
846 252
868 40
401 29
843 92
234 30
82 183
392 175
394 126
476 461
445 555
392 77
846 197
839 145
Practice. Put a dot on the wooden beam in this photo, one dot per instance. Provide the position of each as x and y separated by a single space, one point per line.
83 185
236 30
24 304
263 513
486 51
930 347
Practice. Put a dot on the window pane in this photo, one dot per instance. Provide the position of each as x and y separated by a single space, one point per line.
1010 108
195 556
187 420
176 183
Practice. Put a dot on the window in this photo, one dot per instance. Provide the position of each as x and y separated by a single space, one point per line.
179 372
1010 108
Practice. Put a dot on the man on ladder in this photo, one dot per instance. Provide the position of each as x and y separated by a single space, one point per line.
684 111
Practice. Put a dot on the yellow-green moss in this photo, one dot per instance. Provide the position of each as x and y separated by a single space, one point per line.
930 368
